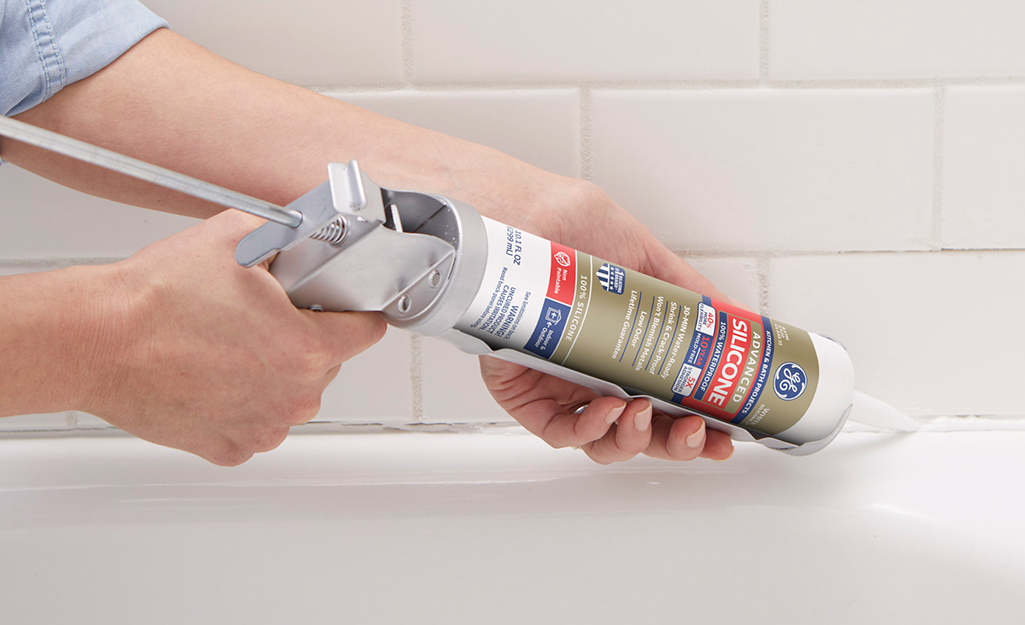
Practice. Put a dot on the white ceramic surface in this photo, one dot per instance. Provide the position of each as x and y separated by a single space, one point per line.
323 42
498 528
983 189
759 169
886 39
578 39
913 342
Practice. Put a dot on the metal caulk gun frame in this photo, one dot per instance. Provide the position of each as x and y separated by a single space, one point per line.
351 245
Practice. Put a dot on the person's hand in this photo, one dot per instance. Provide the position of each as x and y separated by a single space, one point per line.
203 355
563 414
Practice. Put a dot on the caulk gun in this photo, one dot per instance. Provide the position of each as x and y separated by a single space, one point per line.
435 266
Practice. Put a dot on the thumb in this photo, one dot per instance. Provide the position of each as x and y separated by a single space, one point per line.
347 333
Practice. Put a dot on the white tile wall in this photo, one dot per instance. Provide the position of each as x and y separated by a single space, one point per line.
756 169
322 42
40 219
983 181
536 126
577 40
895 39
930 333
694 117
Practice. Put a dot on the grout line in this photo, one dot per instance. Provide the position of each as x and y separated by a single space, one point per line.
936 232
586 151
416 379
679 85
406 34
762 265
763 42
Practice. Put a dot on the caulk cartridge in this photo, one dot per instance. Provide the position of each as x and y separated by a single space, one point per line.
435 266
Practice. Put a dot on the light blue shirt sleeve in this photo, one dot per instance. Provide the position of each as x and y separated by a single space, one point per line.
46 45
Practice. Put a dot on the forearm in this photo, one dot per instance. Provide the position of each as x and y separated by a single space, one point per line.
172 103
53 335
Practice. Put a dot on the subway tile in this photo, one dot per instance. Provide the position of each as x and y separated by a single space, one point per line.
453 391
539 127
754 169
318 42
41 219
736 277
886 39
572 40
933 334
373 387
984 157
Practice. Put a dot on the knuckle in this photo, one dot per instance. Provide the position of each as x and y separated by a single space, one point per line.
229 455
303 409
268 439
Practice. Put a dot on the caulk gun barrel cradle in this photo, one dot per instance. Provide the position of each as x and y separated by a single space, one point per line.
435 266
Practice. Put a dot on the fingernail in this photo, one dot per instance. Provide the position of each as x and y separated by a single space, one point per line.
614 414
697 439
643 419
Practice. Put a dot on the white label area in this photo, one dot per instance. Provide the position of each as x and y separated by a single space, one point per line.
686 380
511 299
706 320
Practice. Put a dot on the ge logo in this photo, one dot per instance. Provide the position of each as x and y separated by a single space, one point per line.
563 259
790 381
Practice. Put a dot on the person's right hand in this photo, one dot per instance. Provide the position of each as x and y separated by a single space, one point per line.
200 354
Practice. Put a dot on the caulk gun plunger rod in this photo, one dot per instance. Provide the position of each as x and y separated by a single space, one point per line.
39 137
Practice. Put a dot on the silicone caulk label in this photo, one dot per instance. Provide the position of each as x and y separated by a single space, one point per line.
648 336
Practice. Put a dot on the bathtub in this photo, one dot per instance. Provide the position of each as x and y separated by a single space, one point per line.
495 527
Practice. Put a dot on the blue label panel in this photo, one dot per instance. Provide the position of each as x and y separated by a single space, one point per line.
549 329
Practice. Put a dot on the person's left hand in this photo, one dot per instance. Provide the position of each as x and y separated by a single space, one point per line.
608 429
